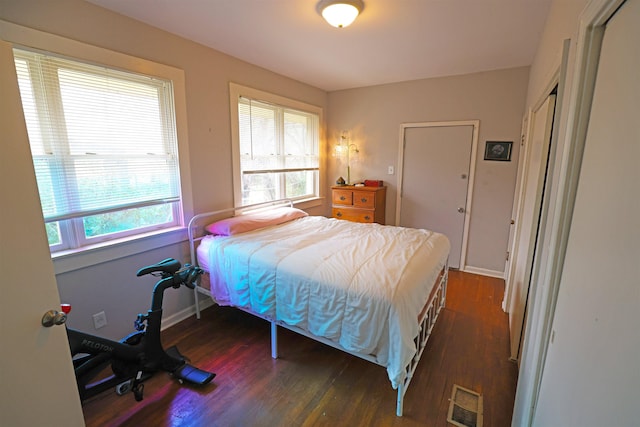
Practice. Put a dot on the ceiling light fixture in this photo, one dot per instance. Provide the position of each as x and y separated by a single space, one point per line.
340 13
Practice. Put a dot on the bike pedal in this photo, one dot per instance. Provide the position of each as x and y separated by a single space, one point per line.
138 392
124 387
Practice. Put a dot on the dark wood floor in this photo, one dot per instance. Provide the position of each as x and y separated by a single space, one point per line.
315 385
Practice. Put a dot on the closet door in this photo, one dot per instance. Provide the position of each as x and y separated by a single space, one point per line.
529 217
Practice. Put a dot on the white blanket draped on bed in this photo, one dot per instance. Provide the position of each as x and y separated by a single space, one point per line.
361 285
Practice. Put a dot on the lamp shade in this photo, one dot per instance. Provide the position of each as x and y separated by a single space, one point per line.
340 13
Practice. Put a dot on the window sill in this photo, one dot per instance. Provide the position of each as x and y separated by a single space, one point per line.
75 259
308 203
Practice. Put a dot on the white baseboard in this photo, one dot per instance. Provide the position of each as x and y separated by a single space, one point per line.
183 314
484 272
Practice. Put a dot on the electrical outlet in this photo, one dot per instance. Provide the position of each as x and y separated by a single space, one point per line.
390 170
100 320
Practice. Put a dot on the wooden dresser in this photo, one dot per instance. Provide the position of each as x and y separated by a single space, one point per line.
358 204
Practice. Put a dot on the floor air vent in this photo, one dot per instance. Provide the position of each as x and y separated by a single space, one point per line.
465 409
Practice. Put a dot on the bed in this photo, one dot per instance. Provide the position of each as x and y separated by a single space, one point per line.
371 290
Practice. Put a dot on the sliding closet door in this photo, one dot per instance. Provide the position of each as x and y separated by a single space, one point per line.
529 217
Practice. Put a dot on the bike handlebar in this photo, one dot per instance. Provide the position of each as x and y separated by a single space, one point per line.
189 275
185 276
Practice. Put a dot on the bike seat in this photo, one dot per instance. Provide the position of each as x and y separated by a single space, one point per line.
168 265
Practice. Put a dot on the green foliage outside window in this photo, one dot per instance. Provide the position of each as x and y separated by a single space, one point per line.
113 222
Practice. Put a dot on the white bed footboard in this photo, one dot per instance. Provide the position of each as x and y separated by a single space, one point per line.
427 321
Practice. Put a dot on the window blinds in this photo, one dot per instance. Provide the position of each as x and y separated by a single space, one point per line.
276 139
102 140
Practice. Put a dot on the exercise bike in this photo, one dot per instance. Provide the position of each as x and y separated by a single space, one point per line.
139 355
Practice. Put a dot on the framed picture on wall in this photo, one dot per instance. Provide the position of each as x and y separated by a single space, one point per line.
498 150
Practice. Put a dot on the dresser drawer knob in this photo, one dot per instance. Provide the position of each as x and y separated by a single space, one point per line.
367 217
343 198
339 214
363 200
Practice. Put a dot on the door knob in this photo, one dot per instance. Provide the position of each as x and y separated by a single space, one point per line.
53 317
461 210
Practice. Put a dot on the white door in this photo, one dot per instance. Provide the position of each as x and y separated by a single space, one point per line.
509 262
528 217
37 385
435 182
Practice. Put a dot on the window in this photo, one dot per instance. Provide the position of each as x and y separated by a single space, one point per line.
276 146
104 149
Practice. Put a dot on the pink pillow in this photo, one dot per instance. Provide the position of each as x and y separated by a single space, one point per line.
254 221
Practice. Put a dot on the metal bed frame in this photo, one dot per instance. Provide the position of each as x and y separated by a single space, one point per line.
427 318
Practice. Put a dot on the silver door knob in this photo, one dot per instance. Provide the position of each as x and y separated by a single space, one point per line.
461 210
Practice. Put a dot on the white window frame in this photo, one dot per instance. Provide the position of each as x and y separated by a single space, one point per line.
44 92
24 37
235 92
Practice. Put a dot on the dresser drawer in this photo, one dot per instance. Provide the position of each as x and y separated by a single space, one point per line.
355 215
364 199
342 197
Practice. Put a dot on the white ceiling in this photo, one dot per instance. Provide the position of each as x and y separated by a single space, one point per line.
391 41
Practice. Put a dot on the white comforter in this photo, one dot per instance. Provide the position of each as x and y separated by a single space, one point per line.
361 285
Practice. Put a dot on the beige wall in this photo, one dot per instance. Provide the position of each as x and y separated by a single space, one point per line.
561 24
497 98
207 75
